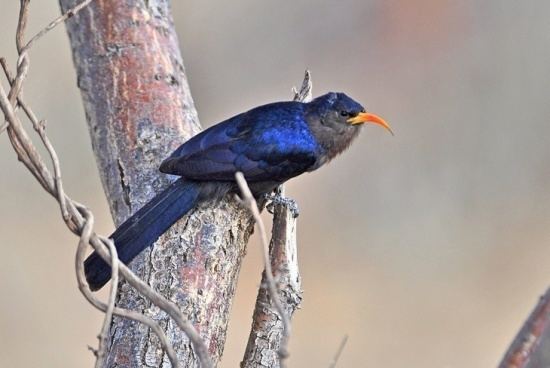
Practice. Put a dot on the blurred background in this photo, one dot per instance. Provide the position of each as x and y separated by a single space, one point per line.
428 249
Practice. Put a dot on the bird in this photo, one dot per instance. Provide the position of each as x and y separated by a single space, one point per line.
269 145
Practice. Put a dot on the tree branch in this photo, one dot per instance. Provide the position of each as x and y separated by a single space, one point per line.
531 347
268 340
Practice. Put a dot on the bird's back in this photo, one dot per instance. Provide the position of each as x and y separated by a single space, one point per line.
271 142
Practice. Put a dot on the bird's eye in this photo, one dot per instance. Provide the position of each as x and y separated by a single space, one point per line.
344 113
363 111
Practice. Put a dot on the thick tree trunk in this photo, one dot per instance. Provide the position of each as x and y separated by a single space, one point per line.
139 108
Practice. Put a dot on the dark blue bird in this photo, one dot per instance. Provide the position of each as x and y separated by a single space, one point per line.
268 144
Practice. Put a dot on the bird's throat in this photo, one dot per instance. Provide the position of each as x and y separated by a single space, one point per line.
332 141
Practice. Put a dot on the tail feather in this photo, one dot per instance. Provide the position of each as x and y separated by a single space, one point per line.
144 228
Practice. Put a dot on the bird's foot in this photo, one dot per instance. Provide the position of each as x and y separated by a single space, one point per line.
276 198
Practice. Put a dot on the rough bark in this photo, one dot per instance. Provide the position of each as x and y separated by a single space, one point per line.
139 108
266 334
531 347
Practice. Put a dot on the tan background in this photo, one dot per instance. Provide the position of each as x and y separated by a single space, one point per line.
428 248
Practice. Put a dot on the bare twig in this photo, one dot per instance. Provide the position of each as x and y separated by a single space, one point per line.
87 233
6 70
339 352
79 261
305 93
250 203
24 48
78 219
40 127
104 334
62 18
22 23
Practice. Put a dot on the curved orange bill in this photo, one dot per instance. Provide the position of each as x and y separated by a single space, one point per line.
365 117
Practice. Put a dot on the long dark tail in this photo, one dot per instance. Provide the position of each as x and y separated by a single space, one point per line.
144 227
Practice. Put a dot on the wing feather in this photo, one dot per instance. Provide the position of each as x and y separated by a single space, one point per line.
269 143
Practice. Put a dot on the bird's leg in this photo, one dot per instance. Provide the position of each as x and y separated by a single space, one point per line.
277 198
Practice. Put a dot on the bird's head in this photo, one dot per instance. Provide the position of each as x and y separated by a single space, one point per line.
335 120
341 113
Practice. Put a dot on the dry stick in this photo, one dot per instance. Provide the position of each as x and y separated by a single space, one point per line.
339 352
87 232
22 24
305 92
166 305
23 48
532 339
30 157
249 201
62 18
104 334
79 260
19 35
15 94
265 343
40 127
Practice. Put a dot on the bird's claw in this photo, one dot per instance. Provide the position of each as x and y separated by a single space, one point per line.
276 198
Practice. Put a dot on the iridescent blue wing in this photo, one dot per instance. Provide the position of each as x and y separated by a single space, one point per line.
268 143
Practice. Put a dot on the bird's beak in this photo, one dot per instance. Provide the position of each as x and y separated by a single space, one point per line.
365 117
